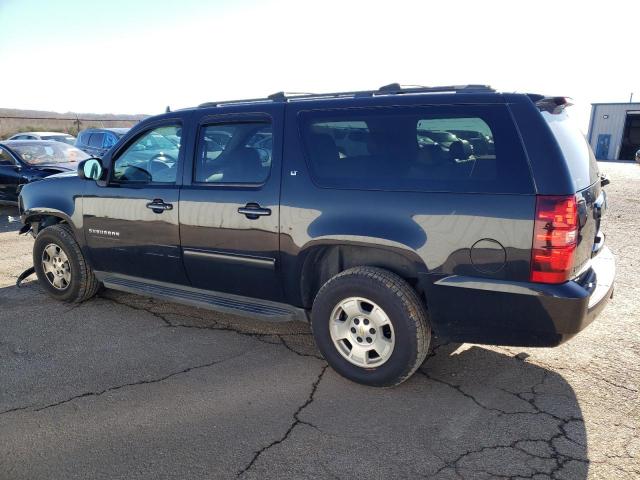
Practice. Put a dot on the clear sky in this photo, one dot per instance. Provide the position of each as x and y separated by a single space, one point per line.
119 56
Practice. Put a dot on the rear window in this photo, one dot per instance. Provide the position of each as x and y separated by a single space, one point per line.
446 149
96 140
577 152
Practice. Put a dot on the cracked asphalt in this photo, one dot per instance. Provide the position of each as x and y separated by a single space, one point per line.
131 387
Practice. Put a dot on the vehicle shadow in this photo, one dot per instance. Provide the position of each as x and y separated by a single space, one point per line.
468 412
523 419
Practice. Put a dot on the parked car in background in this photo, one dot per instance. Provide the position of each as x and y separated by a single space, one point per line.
97 141
24 161
57 136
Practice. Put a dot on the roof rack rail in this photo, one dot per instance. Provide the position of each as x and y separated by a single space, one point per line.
391 89
396 88
284 96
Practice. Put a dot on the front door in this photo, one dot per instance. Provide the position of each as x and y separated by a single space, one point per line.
131 224
229 205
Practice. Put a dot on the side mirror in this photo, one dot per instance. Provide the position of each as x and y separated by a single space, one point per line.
90 169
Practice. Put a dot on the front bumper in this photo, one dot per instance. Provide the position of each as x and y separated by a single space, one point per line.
499 312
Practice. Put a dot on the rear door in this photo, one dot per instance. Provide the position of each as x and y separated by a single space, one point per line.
131 224
229 204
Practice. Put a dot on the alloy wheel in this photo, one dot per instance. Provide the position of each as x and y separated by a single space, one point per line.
362 332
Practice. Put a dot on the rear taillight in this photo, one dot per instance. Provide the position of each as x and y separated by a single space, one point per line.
555 235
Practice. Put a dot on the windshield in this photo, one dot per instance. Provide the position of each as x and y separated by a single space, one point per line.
61 138
38 153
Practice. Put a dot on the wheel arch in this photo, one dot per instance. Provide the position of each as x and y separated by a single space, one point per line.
322 260
39 219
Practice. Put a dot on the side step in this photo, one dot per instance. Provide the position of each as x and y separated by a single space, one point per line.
217 301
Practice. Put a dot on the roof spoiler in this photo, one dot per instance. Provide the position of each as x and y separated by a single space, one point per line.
553 105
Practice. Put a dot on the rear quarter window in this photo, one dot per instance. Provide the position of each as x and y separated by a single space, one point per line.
577 152
466 148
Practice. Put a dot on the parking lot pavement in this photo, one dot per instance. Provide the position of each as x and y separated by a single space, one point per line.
130 387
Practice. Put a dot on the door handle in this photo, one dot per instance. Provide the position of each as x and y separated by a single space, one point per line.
253 211
158 206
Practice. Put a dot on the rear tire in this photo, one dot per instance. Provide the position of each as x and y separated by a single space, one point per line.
370 326
61 267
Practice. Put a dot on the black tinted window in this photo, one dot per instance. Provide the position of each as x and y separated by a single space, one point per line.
96 139
459 149
234 153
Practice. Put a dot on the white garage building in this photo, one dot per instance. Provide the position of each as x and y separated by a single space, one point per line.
614 130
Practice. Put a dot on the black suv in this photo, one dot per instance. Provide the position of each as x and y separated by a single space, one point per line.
347 210
97 141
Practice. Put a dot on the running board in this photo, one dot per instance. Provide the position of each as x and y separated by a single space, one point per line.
217 301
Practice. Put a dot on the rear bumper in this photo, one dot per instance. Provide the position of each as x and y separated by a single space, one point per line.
498 312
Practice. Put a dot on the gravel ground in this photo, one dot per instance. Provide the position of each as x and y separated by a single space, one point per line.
130 387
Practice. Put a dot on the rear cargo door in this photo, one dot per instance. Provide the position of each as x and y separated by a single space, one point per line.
590 197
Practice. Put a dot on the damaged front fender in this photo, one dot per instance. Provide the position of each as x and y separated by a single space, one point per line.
26 228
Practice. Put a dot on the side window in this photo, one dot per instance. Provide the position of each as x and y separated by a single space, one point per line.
151 158
96 139
109 140
234 153
432 149
5 158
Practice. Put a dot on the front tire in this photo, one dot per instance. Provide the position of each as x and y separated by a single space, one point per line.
60 266
371 326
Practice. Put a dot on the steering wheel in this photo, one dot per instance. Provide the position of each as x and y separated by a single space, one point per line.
158 165
135 174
